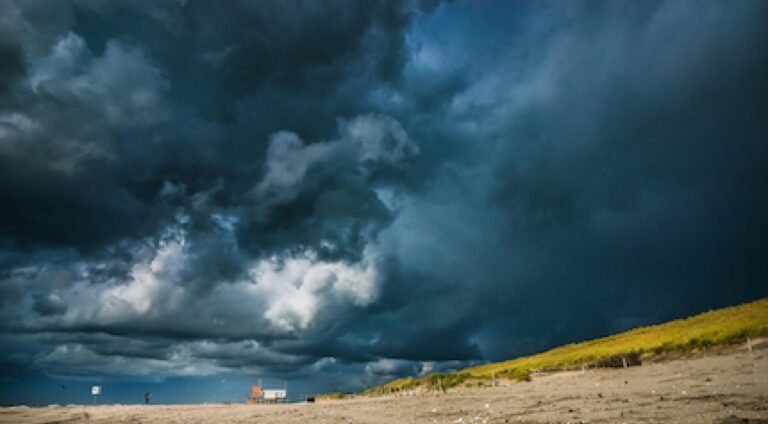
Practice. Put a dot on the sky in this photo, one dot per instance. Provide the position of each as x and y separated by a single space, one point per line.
196 195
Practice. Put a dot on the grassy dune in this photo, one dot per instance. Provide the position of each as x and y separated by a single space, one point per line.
721 327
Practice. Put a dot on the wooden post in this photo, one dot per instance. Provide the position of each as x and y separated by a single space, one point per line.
583 369
749 344
624 361
494 379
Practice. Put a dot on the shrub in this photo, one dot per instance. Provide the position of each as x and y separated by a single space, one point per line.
517 374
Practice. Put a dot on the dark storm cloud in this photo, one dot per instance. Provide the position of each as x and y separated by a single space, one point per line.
49 305
616 169
135 119
304 189
11 64
118 84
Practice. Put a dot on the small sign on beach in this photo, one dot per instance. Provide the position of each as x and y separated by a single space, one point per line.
95 392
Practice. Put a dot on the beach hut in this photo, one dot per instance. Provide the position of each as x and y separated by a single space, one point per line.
275 395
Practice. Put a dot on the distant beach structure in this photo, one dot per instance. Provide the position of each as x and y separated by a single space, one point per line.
261 395
274 396
95 392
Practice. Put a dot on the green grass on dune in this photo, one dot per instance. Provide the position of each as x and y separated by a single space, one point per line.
721 327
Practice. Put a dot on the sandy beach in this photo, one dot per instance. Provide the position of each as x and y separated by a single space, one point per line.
725 388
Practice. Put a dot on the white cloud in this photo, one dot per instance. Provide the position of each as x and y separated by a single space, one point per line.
300 290
281 295
153 288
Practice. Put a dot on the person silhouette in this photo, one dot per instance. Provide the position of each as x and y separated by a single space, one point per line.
147 397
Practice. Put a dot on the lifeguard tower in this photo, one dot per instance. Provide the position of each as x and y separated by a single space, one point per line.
261 395
256 395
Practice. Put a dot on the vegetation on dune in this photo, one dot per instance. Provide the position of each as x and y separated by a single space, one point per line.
330 396
721 327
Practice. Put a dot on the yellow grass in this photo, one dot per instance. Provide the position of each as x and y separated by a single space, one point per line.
721 327
330 396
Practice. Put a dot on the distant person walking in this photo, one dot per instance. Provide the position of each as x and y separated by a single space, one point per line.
147 397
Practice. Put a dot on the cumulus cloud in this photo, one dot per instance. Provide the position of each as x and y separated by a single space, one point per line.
283 296
286 292
298 289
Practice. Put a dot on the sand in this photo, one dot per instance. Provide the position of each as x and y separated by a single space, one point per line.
725 388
